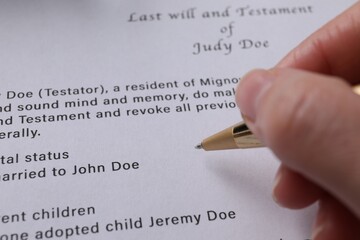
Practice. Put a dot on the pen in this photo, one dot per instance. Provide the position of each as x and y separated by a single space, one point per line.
237 136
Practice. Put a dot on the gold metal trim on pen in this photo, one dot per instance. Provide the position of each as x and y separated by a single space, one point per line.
237 136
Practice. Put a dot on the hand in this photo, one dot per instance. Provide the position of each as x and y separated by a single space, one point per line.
310 118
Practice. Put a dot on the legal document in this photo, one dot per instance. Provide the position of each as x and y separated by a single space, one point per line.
102 103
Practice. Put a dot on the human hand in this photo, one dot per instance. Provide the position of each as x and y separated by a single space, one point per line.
310 119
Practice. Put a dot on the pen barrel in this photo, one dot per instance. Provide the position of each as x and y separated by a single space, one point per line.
237 136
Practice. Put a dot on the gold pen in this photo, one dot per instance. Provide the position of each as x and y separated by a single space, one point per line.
237 136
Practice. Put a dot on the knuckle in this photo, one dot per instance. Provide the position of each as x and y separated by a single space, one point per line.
288 116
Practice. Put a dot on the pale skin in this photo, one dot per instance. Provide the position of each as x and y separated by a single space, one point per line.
305 111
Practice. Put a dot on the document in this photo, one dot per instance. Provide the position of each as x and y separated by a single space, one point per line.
102 103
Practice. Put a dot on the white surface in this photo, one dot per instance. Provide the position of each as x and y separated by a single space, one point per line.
88 43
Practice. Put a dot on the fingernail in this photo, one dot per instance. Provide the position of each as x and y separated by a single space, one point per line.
316 232
250 90
276 184
322 220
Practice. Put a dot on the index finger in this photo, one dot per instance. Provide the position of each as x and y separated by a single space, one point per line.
334 49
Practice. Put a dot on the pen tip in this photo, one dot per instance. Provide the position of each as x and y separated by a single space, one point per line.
199 146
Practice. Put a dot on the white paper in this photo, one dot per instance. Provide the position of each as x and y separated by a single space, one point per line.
63 55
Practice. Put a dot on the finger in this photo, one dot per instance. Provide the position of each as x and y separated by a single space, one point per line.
311 122
291 190
334 49
334 222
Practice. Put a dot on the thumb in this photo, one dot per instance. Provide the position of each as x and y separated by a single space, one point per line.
311 122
